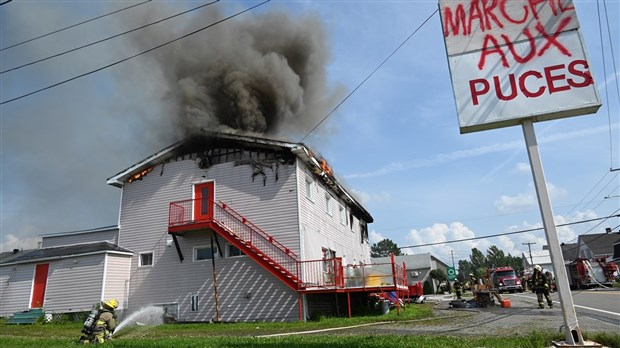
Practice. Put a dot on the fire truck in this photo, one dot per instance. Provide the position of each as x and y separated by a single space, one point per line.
505 279
583 273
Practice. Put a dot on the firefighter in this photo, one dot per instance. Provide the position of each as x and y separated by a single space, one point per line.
103 328
458 289
540 285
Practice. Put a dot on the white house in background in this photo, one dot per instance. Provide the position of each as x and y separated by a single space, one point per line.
69 273
232 227
418 267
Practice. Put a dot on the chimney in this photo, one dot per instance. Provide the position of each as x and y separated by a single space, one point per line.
15 251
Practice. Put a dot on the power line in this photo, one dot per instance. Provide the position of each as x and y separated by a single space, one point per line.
5 2
108 38
506 233
71 26
133 56
369 75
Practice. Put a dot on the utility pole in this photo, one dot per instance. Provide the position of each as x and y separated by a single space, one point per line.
452 253
529 247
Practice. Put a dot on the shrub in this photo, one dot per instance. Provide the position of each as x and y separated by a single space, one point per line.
427 288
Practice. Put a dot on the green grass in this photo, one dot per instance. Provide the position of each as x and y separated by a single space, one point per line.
243 335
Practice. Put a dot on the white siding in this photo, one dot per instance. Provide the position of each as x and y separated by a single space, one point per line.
15 286
74 284
323 230
117 278
271 205
78 238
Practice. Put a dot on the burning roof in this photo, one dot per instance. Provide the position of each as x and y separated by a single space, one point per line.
198 144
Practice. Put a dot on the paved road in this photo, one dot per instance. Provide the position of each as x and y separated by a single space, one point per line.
601 305
522 317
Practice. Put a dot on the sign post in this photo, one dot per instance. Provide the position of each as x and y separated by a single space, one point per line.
514 63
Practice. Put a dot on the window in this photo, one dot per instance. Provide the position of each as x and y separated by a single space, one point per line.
342 215
194 303
203 253
363 231
328 203
146 259
309 188
233 251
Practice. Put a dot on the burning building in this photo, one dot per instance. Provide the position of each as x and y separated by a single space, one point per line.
232 227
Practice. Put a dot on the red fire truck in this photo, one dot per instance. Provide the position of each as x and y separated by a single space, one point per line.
505 279
583 273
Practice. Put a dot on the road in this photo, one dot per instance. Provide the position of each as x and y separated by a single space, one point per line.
602 305
597 311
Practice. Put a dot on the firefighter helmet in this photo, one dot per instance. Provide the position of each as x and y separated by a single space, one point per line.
538 268
110 304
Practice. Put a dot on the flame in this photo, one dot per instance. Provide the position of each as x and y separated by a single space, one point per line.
326 168
140 175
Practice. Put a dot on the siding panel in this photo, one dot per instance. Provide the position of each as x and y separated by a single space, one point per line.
15 288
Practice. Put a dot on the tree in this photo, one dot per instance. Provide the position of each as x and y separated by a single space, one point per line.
384 248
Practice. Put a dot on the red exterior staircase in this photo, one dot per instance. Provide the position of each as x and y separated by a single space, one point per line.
238 231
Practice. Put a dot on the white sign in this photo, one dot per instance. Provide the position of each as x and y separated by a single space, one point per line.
515 60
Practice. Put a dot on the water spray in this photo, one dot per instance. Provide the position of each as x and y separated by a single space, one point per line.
146 316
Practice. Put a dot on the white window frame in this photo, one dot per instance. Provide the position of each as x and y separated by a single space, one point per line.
194 303
228 254
328 204
309 189
141 260
216 253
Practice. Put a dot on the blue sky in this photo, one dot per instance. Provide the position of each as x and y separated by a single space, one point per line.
394 142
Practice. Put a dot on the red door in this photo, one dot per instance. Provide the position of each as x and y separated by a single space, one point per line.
40 281
203 201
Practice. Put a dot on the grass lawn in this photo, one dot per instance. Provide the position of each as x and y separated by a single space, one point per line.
244 335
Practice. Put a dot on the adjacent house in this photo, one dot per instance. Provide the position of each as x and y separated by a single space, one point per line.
417 267
238 228
68 274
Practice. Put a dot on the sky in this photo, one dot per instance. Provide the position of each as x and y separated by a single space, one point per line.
391 132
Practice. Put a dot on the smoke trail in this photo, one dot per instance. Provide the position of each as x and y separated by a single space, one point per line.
263 74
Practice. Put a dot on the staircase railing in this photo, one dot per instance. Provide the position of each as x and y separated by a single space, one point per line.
255 238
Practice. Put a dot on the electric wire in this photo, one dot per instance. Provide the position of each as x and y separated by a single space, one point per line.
507 233
73 25
600 34
369 75
611 48
133 56
108 38
5 2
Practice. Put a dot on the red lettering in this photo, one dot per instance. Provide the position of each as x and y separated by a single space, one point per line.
475 92
585 74
533 4
511 47
486 51
567 8
502 8
552 39
488 13
546 82
523 87
455 24
552 78
498 88
475 13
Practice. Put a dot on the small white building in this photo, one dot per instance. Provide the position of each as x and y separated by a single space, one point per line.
70 273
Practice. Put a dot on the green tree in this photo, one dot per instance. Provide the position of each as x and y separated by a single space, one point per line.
384 248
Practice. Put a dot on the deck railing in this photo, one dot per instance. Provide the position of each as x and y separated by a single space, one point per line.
311 274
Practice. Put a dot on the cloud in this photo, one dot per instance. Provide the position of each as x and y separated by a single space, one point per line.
368 197
375 237
11 242
443 158
522 167
526 200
